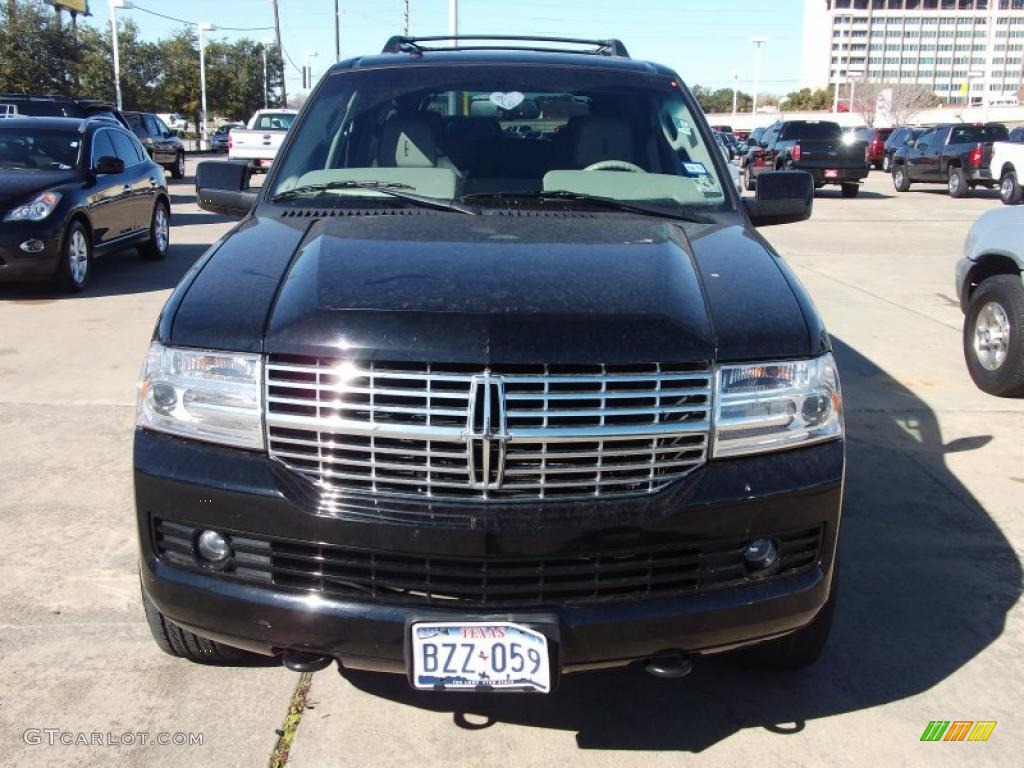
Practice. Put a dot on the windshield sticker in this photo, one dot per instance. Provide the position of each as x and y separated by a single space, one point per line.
695 169
683 126
509 100
706 185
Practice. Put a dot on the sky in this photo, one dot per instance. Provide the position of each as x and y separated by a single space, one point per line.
705 41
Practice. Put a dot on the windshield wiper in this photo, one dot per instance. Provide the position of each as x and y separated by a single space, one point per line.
607 202
392 188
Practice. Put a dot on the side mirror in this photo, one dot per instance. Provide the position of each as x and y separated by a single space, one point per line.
223 187
108 164
782 197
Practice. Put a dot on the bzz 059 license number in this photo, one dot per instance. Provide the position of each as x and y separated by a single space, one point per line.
479 655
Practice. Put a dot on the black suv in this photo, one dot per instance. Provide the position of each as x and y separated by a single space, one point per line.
48 105
494 380
162 144
72 190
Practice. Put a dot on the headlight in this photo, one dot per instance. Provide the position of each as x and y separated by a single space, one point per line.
37 209
202 394
770 406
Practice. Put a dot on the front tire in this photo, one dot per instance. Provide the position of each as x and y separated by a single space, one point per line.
886 164
178 169
993 347
175 641
75 259
900 179
958 184
1010 191
159 241
749 183
850 190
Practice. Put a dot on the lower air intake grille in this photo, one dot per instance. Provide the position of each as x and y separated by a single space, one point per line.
621 574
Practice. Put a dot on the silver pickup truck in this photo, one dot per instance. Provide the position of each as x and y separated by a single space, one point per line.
259 141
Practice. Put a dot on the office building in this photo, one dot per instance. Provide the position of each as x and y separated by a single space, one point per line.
948 46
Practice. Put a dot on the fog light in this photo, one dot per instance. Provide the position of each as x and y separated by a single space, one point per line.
213 547
761 554
32 246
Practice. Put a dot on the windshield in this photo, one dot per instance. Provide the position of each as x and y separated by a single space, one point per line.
46 149
498 131
811 131
280 121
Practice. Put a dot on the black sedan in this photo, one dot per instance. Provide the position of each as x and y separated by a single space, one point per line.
74 189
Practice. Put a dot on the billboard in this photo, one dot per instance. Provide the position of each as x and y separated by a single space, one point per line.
77 6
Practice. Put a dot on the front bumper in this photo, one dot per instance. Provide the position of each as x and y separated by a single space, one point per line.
233 490
16 264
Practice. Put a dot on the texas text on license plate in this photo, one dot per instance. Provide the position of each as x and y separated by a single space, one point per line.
831 173
489 655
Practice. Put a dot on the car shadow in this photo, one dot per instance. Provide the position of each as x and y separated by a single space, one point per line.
120 272
980 193
928 579
862 195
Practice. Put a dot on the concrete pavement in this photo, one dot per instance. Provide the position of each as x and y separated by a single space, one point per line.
929 624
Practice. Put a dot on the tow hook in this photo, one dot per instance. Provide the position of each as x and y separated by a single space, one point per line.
669 664
298 661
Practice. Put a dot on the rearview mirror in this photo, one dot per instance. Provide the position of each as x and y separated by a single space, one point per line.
782 197
109 164
223 187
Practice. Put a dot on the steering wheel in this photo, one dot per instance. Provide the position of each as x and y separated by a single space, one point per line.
615 165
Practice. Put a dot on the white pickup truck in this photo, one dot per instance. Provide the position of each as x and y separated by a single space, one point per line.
259 141
1008 166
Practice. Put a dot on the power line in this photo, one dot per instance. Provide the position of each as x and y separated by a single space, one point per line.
196 24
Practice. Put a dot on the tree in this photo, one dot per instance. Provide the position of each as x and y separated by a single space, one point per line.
720 100
36 54
904 100
140 66
809 100
234 78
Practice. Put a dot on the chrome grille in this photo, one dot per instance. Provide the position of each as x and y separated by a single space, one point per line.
466 432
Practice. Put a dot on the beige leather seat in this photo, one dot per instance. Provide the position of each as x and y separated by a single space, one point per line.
407 142
601 138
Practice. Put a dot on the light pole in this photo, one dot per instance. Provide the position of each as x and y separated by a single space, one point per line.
307 72
842 44
852 76
203 26
735 88
124 5
266 89
758 42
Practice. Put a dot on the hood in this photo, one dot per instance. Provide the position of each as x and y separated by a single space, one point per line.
523 288
17 187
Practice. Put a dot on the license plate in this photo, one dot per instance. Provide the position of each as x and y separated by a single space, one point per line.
492 656
832 173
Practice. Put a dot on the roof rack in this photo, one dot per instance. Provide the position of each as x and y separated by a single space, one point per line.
402 44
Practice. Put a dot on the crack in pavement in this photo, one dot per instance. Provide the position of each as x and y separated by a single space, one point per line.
286 734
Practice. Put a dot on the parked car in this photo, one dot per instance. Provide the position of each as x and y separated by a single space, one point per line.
815 146
259 141
72 190
410 422
162 144
955 154
752 142
988 283
875 139
902 135
58 106
1008 167
174 121
219 139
